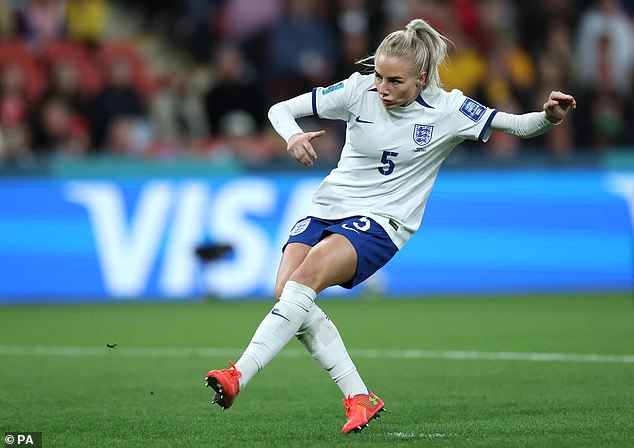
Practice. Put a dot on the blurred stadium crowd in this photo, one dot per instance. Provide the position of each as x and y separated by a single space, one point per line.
174 79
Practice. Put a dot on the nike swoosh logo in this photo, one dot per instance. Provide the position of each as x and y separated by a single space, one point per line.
359 120
278 314
345 226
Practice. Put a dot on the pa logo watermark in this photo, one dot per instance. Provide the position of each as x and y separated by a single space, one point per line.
30 439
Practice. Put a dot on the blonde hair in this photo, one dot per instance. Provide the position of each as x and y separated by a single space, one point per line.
424 47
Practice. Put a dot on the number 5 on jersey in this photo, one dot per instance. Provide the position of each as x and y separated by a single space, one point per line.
385 159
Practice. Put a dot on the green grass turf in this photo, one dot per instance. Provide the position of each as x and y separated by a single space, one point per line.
113 399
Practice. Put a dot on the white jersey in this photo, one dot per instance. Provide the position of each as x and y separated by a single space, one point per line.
391 158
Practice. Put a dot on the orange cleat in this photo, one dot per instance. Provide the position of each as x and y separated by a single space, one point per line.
360 409
225 383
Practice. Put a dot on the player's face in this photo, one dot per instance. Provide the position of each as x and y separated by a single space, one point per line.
396 84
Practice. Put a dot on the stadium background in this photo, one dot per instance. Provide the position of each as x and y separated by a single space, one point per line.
133 133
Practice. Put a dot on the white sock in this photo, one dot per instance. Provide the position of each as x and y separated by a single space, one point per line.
321 338
276 329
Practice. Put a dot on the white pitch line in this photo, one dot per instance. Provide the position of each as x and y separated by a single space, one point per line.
45 350
422 435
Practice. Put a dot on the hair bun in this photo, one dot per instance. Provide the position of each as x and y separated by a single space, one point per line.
411 29
425 47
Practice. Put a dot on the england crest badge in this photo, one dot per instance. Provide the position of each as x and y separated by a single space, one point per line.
422 134
300 226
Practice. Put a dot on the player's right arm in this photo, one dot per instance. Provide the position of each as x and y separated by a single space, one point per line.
283 117
300 148
332 102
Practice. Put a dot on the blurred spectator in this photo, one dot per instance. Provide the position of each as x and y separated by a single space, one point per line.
86 20
15 148
510 76
628 7
238 135
42 21
176 110
14 109
605 55
536 17
57 131
353 19
399 12
155 15
510 66
65 86
14 106
555 68
191 27
608 119
467 13
62 127
7 20
240 22
137 70
605 48
466 67
235 89
302 48
118 98
128 136
559 47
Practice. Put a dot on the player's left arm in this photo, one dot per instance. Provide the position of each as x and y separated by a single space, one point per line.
533 124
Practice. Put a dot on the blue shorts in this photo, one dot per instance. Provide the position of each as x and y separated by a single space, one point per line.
373 245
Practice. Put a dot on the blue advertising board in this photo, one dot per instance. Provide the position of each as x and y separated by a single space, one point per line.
134 238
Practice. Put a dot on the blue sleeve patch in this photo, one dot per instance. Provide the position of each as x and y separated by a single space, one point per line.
472 109
332 88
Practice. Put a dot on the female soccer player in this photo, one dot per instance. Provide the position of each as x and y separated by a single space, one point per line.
401 125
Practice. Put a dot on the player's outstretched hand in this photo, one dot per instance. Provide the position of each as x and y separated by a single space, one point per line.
300 148
558 105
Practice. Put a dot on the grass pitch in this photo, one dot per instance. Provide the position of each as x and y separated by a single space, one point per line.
516 372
